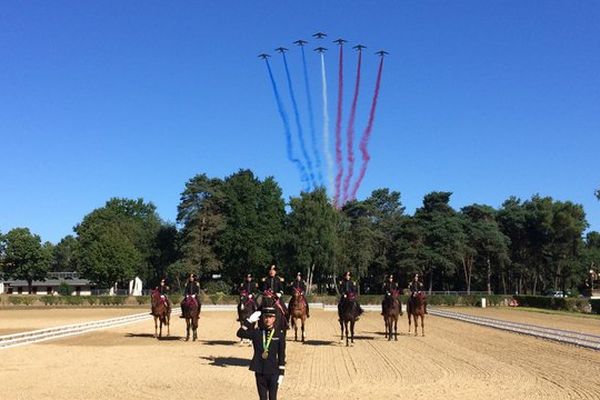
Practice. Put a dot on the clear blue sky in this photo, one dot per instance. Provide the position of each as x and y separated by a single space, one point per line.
133 98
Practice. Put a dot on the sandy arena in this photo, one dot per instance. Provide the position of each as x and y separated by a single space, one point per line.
453 361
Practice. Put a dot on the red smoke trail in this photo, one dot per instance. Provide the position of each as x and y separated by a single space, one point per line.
338 130
350 133
364 141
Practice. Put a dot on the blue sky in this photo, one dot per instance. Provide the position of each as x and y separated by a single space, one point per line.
133 98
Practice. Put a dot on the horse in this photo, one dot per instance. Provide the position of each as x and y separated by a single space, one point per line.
415 309
246 306
270 299
190 309
392 308
161 312
348 311
297 310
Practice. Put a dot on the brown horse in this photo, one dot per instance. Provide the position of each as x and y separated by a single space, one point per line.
348 311
416 309
190 309
297 310
161 312
392 308
246 307
270 299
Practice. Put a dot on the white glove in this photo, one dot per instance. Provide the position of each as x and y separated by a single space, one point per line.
280 380
279 295
254 317
250 296
345 296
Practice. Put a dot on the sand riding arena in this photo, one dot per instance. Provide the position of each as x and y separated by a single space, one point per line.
120 359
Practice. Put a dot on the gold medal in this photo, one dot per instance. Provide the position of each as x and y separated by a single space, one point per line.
265 355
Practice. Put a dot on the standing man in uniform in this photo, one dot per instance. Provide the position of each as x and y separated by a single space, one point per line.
416 287
300 284
388 288
268 361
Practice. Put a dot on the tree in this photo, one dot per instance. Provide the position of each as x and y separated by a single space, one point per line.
116 242
311 229
23 256
64 255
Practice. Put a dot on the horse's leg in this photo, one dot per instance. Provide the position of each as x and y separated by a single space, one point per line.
195 328
342 329
187 329
396 328
168 319
352 322
303 319
422 324
293 320
347 332
155 327
416 321
409 317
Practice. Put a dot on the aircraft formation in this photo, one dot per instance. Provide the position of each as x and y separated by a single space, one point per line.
339 185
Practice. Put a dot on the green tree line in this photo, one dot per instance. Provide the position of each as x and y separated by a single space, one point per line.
241 224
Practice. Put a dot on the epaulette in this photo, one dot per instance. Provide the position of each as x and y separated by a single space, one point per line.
281 279
354 282
263 279
198 284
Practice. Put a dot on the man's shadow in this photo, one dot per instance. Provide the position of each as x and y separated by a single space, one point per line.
227 361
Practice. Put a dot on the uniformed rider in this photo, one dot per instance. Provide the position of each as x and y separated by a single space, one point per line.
273 281
348 288
268 361
416 287
192 289
388 288
300 284
250 286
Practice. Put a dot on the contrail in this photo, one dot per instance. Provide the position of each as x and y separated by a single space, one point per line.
338 129
364 141
298 123
311 117
288 134
326 149
350 132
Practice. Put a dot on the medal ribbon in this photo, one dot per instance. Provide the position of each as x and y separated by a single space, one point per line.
267 342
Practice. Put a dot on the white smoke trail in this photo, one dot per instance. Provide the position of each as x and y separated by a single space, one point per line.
326 148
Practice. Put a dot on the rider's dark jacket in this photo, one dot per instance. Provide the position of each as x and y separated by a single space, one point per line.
191 288
275 284
251 287
299 284
389 287
163 289
275 362
347 287
415 287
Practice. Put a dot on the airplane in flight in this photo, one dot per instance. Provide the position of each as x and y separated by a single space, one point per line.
319 35
382 53
320 49
300 42
359 47
340 41
264 56
281 49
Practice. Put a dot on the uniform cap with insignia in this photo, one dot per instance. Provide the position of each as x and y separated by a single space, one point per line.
266 311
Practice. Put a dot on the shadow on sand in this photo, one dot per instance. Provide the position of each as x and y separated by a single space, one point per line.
318 342
227 361
219 342
151 336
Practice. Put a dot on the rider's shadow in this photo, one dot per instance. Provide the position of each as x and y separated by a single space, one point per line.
227 361
319 343
220 342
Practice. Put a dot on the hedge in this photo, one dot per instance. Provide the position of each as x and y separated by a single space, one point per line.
554 303
595 303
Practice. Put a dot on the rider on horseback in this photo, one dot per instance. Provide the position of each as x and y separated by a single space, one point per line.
348 289
275 284
301 285
163 289
192 289
388 288
249 286
416 287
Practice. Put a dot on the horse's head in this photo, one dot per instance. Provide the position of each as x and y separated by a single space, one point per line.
269 293
298 293
395 293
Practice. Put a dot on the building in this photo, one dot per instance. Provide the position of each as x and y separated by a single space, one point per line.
48 286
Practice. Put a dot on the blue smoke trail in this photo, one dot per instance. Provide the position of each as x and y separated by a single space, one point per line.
287 130
298 123
311 116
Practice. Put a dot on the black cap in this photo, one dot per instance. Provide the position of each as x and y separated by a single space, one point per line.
248 275
273 267
268 311
347 273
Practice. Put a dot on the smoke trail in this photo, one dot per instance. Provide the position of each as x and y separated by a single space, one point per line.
298 123
338 129
311 117
350 132
326 148
364 141
286 128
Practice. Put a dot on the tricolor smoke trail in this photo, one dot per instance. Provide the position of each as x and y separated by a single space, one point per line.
350 132
338 129
287 131
326 149
311 119
364 141
298 122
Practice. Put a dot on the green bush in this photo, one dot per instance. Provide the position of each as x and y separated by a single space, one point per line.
64 289
104 300
118 300
553 303
51 300
141 300
213 287
92 300
73 300
15 300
